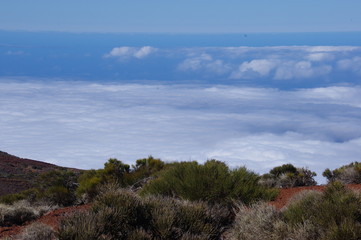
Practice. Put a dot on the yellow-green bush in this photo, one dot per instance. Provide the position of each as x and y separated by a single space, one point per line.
212 182
115 171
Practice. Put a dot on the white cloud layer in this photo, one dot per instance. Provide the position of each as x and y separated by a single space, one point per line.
83 124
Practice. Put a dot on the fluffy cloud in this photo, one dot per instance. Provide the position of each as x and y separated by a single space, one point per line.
353 64
204 62
83 124
279 69
320 56
301 69
260 67
278 62
130 52
217 64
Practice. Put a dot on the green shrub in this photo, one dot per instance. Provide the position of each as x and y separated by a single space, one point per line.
62 177
89 183
212 182
337 212
332 215
37 231
16 216
30 195
348 174
20 212
59 195
285 168
120 214
175 219
288 176
143 169
114 170
58 187
258 221
82 226
125 212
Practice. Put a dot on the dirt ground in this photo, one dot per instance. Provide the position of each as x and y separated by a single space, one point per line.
286 193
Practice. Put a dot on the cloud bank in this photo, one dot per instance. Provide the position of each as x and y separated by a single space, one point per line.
277 63
83 124
318 65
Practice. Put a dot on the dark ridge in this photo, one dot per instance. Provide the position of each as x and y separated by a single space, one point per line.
18 174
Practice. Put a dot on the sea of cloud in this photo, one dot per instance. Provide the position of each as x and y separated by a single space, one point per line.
82 124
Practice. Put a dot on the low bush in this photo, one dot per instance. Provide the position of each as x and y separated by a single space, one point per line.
115 171
59 195
58 187
287 176
258 221
332 215
120 214
212 182
20 212
348 174
30 195
37 231
336 212
82 226
89 183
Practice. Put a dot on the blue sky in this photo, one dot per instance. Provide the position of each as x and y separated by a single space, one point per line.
215 16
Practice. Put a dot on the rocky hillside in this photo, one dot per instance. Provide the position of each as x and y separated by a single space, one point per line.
17 174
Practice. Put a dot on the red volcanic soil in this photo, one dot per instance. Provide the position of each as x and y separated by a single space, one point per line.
286 193
52 219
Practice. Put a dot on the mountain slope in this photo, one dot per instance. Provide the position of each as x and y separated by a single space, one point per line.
18 174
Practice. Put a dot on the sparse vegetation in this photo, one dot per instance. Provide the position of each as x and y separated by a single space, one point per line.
188 200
